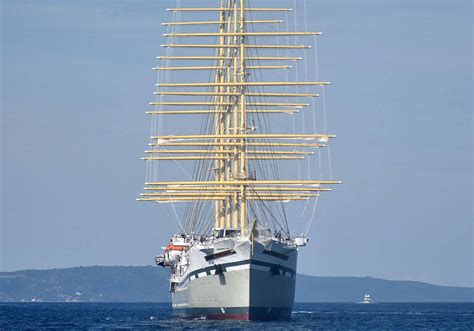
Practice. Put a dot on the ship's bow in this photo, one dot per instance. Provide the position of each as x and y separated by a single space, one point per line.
254 282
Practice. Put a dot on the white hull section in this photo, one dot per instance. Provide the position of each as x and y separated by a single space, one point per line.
231 278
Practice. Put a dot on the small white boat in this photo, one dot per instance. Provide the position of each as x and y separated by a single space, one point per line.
367 299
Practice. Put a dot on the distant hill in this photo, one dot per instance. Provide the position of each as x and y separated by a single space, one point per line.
150 284
352 289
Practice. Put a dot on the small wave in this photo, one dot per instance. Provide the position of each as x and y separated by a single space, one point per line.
303 312
202 318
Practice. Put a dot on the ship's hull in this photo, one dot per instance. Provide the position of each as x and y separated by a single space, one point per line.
254 283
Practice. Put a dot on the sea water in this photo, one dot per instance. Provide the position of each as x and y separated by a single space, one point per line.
306 316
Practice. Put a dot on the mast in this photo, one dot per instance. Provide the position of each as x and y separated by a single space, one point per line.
220 119
243 123
235 197
231 145
226 168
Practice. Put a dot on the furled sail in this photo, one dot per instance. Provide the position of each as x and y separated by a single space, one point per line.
235 177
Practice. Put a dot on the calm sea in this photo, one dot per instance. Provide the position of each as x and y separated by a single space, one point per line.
306 316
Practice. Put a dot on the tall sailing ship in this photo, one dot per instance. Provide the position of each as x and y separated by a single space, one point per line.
234 257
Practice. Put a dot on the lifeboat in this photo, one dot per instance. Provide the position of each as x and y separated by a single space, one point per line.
176 247
172 253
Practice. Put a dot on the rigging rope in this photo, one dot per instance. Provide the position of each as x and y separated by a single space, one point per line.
265 125
313 110
316 72
295 10
168 79
197 213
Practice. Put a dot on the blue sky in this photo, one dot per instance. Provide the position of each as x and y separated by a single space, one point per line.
76 81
